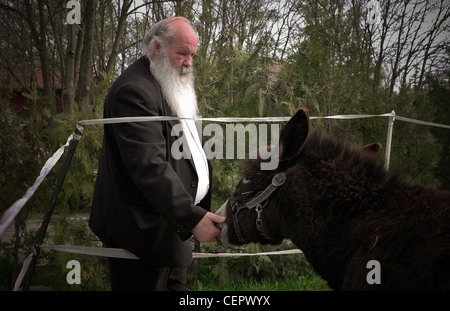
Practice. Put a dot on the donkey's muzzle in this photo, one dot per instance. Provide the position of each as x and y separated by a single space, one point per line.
223 235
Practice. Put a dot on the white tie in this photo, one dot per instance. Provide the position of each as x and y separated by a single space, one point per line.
199 158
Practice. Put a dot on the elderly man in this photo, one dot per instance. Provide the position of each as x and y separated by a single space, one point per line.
146 200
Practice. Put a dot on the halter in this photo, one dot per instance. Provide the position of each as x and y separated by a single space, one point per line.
258 203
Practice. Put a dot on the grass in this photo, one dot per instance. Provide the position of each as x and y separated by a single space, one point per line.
305 282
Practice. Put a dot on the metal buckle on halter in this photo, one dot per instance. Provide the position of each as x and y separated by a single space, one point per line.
234 207
258 210
279 179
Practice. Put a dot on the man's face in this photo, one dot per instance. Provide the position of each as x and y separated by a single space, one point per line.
182 48
171 66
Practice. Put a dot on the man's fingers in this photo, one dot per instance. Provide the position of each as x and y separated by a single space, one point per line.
205 230
215 218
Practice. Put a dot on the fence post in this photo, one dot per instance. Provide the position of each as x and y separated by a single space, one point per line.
24 284
387 156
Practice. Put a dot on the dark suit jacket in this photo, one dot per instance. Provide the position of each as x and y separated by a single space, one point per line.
143 197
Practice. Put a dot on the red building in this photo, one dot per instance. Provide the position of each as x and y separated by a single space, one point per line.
24 81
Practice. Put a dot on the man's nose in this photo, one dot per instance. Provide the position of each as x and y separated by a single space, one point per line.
188 61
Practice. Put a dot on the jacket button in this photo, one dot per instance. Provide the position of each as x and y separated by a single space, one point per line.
193 184
178 227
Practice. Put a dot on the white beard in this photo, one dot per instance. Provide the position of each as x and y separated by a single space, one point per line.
177 86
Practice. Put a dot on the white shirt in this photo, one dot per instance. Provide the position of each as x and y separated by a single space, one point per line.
199 158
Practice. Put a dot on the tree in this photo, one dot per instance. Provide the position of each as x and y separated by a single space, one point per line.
437 90
409 40
85 73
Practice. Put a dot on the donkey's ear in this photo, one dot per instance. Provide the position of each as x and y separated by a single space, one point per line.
294 134
372 148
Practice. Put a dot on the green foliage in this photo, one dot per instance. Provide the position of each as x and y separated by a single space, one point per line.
70 230
226 175
29 137
415 150
437 94
23 144
77 190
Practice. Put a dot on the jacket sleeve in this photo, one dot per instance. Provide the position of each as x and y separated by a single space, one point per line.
142 146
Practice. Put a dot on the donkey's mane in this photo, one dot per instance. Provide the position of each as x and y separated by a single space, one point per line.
328 147
337 151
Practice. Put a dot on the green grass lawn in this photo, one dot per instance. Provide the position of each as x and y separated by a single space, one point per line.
254 273
306 282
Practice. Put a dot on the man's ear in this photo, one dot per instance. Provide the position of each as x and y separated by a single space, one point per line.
294 134
156 50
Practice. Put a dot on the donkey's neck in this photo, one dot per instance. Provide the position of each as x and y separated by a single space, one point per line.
329 202
327 248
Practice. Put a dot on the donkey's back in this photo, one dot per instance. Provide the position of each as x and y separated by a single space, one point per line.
409 239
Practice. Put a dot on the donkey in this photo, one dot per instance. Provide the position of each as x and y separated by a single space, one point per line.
361 227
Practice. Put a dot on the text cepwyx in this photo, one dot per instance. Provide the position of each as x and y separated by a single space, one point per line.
234 300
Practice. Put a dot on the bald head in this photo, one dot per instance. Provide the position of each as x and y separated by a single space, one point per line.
177 36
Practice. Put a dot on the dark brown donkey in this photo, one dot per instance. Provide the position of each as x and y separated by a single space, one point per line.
360 227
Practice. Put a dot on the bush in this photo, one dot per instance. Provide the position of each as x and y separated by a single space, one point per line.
52 271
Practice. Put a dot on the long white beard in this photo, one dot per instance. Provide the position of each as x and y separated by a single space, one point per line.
177 86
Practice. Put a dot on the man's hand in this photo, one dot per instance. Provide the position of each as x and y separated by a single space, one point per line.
205 230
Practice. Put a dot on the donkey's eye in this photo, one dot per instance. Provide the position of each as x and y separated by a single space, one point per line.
245 181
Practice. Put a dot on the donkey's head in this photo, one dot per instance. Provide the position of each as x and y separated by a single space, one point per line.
261 205
252 211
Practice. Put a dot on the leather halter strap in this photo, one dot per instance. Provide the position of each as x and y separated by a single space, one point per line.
257 204
277 180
